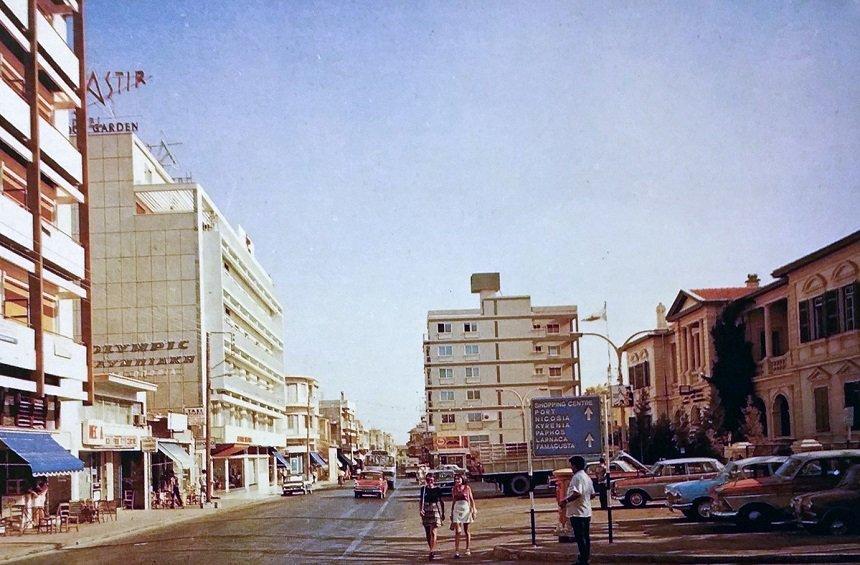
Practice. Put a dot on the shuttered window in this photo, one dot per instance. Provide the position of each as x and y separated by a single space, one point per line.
822 410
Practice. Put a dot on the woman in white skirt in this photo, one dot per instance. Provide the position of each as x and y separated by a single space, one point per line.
463 513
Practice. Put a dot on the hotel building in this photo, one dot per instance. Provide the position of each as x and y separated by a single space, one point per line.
44 255
177 290
476 361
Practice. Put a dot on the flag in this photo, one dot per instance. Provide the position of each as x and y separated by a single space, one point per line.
599 315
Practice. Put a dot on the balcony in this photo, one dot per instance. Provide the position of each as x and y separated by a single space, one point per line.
60 150
60 249
16 222
447 426
57 50
474 425
255 315
15 110
254 350
254 391
64 358
17 345
241 434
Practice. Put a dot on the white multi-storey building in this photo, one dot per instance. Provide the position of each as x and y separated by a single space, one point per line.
303 416
476 361
177 289
44 283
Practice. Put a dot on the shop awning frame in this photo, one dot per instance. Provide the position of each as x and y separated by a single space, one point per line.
281 460
317 459
42 453
177 454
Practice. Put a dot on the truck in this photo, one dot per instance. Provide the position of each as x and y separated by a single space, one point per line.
507 466
383 462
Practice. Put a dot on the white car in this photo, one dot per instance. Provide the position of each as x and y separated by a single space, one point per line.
296 484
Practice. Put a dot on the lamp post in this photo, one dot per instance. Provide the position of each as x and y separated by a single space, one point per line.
207 407
523 400
619 351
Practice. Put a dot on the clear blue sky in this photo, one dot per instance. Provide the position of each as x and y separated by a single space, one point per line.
379 153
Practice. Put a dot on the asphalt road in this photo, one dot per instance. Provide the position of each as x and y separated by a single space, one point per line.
326 526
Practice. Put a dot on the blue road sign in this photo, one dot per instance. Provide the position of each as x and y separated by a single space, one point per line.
566 426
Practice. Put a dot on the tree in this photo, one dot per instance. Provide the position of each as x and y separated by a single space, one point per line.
640 432
705 441
751 427
661 445
734 367
681 433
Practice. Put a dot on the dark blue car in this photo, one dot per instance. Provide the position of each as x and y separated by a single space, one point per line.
693 498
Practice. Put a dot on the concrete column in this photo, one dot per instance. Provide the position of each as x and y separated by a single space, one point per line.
768 346
226 475
246 475
107 482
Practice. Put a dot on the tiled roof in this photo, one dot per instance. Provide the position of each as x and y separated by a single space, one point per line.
720 294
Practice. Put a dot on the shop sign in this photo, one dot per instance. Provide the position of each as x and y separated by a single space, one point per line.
177 422
148 444
93 433
243 439
103 88
121 442
169 352
97 126
196 416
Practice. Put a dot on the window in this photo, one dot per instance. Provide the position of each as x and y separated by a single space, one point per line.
538 348
448 419
555 393
552 328
479 440
822 410
811 469
446 395
472 374
828 314
445 350
536 326
775 343
697 467
446 373
555 371
831 312
850 307
852 398
470 327
781 416
474 417
16 298
443 328
471 350
640 375
553 350
473 395
538 370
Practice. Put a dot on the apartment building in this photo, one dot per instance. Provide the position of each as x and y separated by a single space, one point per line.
177 289
45 332
343 425
303 423
479 362
803 332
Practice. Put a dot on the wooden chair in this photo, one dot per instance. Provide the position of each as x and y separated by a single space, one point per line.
80 511
66 519
44 521
107 508
128 500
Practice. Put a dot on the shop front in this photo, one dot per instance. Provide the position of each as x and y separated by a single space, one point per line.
238 466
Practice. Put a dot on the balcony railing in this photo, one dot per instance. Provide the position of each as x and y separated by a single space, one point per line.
60 249
60 150
17 345
16 222
64 358
58 50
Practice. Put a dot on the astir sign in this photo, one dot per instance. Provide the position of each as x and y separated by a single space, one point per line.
566 426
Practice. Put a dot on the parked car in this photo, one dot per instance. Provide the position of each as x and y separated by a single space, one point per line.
296 484
370 483
693 498
835 511
759 503
636 492
444 481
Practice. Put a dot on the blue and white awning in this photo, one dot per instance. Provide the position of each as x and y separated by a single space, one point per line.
281 460
317 459
42 453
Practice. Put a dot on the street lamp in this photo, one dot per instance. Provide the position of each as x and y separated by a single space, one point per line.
523 400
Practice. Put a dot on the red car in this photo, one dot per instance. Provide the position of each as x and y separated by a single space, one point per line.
370 483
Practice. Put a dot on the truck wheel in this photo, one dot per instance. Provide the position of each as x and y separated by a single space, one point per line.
636 499
519 485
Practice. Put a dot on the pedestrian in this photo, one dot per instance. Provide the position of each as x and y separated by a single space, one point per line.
432 510
600 483
577 506
463 513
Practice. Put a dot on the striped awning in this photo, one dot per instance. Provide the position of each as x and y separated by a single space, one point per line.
317 459
42 453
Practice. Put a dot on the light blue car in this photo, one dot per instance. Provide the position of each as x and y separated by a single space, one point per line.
693 498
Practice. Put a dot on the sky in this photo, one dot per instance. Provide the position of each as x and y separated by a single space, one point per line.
379 153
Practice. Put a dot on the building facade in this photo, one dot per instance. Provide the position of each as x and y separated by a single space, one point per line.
302 422
343 424
177 291
477 361
45 333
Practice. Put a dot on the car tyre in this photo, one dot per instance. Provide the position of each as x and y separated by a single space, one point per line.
635 499
689 514
519 485
702 509
755 518
837 524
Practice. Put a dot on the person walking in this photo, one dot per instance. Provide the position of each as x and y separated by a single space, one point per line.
432 510
577 506
600 483
463 513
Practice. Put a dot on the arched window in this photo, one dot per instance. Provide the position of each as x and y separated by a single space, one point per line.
762 414
781 416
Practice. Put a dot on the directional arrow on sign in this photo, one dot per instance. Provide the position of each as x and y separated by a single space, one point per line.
588 413
589 439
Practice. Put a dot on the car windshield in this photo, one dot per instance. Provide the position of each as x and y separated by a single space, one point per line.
371 476
789 468
728 471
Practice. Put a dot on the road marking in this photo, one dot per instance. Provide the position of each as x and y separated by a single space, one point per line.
357 541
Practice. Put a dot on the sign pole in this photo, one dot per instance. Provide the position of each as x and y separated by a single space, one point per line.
531 476
608 485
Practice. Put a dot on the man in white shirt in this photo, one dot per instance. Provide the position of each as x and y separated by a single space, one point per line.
577 506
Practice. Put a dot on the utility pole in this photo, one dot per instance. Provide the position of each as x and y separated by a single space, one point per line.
308 437
206 409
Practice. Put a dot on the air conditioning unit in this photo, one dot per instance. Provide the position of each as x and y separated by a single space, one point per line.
140 420
488 417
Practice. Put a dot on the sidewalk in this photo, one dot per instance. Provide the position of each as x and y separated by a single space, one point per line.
29 545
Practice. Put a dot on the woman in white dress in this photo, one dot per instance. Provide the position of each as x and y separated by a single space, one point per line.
463 513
